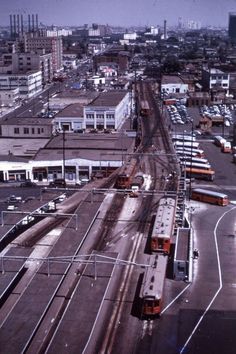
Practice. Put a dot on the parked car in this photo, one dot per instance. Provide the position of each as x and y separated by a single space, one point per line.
59 182
11 207
13 199
28 183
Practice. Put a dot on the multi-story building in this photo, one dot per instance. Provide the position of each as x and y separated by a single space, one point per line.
215 79
24 62
108 111
53 45
29 84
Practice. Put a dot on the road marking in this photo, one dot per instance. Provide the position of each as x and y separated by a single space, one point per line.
220 283
176 298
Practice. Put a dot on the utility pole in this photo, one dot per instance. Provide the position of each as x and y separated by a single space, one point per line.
63 154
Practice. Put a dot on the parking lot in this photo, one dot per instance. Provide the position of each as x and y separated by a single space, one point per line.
186 119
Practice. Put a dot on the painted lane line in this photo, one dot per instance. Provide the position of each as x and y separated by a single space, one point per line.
220 283
176 298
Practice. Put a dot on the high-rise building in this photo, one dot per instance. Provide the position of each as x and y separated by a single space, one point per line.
232 26
34 42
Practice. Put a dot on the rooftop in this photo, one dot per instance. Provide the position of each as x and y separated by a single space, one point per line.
171 79
110 98
98 147
73 110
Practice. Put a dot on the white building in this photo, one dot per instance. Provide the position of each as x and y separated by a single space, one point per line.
69 63
130 36
108 111
173 84
29 84
215 79
58 32
97 80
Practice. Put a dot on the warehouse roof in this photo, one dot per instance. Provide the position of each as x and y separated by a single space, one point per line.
110 98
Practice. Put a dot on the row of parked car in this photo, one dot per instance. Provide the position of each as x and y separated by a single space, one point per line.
178 114
221 110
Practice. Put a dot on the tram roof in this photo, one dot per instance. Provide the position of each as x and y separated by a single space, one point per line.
154 277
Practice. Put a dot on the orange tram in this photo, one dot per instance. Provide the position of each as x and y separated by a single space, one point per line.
151 292
163 226
126 174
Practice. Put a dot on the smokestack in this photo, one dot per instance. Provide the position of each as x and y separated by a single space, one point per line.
22 25
29 26
18 24
33 22
165 34
14 25
37 22
11 29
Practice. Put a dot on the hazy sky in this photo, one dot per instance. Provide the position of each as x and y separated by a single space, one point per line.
120 12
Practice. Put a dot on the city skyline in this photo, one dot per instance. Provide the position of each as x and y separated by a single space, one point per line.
123 12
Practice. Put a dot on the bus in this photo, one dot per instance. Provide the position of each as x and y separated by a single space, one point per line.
188 152
188 144
199 173
203 166
209 196
193 159
183 137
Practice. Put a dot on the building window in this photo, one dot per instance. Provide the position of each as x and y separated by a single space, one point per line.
16 130
101 116
89 116
38 130
26 130
32 130
110 116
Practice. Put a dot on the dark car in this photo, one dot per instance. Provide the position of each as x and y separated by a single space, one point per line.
59 182
13 199
28 183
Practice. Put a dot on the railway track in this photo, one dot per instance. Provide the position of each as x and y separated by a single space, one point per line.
61 287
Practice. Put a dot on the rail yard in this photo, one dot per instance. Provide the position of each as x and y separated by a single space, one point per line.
82 267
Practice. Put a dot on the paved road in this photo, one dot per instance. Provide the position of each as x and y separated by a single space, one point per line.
202 319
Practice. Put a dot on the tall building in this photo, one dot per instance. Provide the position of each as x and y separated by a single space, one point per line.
232 26
52 45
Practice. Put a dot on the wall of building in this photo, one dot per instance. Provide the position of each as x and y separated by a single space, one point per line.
29 84
32 130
